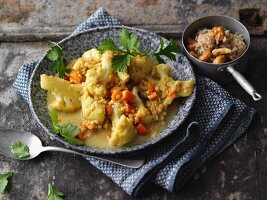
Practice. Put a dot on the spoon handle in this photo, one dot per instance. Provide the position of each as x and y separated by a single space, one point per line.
131 163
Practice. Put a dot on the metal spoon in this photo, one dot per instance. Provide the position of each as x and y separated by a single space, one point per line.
8 136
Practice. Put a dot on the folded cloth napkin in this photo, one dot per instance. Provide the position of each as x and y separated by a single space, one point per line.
216 121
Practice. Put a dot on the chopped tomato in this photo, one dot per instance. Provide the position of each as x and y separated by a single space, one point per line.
128 96
141 129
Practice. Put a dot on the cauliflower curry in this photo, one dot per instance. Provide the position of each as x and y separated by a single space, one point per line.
115 109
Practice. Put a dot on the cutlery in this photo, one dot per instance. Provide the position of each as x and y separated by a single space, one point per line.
8 136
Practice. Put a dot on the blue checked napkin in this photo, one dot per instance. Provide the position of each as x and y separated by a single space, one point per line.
216 121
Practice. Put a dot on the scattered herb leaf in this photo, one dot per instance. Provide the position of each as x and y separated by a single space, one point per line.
54 193
68 131
130 45
57 61
4 181
20 150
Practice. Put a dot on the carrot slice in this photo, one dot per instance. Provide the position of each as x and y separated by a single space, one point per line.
81 136
128 109
150 88
74 76
141 129
171 95
116 93
152 96
128 96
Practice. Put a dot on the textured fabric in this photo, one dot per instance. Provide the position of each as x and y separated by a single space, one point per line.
216 121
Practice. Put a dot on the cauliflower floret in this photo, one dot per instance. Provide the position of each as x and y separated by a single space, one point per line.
87 61
123 130
92 84
142 114
162 89
156 108
170 88
100 76
163 70
93 111
123 76
140 67
79 66
92 55
66 95
106 69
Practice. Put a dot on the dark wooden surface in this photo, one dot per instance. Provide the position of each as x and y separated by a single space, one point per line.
238 173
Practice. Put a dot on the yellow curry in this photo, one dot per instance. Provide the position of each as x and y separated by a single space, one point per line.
115 109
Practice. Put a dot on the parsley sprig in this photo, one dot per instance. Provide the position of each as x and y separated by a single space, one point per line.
130 46
68 131
4 180
54 193
168 51
57 61
20 150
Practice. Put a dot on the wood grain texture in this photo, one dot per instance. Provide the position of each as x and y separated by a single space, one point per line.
29 20
238 173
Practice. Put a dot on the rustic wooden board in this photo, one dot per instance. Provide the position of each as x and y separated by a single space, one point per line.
29 20
239 173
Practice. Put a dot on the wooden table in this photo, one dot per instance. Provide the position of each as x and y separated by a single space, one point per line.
25 29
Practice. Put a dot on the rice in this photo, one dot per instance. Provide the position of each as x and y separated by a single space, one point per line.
216 38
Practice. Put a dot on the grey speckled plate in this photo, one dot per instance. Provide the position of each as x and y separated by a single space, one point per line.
73 47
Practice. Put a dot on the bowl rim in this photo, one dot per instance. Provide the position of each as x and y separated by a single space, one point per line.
103 151
212 64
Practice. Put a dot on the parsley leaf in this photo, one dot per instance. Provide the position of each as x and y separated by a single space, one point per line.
68 131
107 44
168 51
54 53
54 117
130 45
20 150
120 61
54 193
129 41
4 181
57 61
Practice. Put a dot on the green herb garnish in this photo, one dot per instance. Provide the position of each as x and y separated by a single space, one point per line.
130 47
20 150
4 181
168 51
68 131
54 193
57 61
